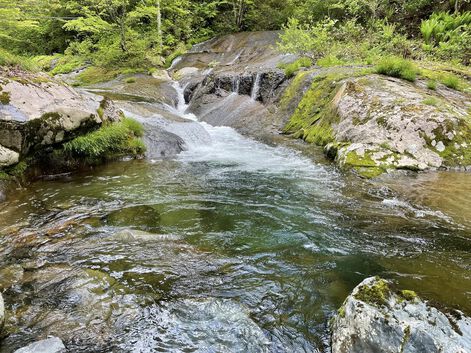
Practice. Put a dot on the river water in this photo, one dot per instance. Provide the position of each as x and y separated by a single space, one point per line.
233 246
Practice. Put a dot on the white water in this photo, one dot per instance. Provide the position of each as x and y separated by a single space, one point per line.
230 149
256 87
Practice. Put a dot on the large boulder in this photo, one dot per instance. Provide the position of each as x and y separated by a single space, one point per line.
37 111
375 319
374 123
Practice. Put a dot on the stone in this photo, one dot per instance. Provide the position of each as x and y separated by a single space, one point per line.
43 111
50 345
8 157
376 319
2 313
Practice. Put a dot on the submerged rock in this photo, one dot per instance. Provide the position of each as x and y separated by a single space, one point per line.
50 345
375 319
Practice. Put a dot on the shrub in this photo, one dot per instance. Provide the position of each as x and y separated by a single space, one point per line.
397 67
110 141
432 84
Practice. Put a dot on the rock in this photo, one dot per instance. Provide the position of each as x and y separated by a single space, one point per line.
374 124
41 111
376 319
2 313
8 157
129 235
161 75
50 345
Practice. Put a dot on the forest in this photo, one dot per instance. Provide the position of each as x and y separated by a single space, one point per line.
124 36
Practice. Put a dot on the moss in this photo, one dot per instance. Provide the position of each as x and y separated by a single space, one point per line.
375 294
408 295
405 338
5 98
315 114
341 311
130 80
16 171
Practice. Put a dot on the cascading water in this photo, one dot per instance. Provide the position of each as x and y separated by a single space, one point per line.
256 87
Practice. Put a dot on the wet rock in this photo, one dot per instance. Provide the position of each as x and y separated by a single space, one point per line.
50 345
375 319
10 275
137 235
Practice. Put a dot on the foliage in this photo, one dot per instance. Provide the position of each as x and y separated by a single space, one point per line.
291 68
448 36
9 59
397 67
110 141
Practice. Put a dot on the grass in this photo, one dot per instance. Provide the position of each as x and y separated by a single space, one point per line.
130 80
432 84
291 68
431 101
451 81
397 67
108 142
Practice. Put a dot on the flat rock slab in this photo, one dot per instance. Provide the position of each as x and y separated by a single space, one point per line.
50 345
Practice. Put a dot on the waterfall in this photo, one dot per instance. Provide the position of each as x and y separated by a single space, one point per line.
256 87
236 84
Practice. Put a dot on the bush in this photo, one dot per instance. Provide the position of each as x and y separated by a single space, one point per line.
108 142
291 68
397 67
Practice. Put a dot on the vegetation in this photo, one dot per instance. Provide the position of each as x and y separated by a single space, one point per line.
375 294
116 36
397 67
108 142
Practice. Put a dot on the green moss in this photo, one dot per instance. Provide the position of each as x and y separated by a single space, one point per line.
108 142
408 295
376 294
5 98
405 338
130 80
341 311
315 114
397 67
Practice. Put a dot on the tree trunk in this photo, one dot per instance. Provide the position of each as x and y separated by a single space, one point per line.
159 27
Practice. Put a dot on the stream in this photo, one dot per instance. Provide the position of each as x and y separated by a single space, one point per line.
232 246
